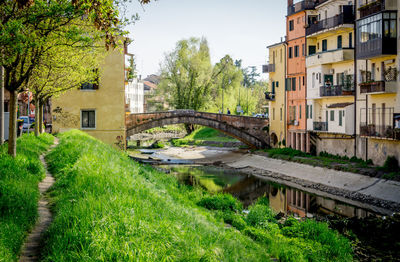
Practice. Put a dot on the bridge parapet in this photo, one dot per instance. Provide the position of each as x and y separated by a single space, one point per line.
250 130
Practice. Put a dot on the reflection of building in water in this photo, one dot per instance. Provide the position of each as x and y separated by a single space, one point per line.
304 204
249 190
277 199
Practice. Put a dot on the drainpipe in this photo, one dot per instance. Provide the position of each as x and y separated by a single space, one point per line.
285 105
366 139
355 78
1 105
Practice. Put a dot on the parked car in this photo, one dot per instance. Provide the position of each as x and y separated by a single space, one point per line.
25 125
261 115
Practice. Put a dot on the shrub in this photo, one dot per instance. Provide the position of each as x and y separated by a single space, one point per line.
259 214
224 202
391 164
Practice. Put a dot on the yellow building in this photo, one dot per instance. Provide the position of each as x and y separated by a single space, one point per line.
378 96
277 94
330 77
98 110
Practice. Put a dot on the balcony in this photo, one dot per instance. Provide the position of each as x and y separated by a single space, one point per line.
338 90
376 47
379 123
300 6
330 57
293 122
379 131
341 19
270 68
320 126
270 96
388 85
377 6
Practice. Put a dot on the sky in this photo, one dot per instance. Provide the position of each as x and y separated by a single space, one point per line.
241 28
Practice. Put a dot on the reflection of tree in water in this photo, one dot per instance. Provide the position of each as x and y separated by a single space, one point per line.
249 190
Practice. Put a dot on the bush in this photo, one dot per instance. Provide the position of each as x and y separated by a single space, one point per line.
391 164
224 202
157 144
259 214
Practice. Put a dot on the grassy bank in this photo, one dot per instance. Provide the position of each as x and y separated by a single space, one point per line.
202 135
19 194
109 208
286 239
355 165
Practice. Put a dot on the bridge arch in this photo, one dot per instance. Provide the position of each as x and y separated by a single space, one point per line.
248 130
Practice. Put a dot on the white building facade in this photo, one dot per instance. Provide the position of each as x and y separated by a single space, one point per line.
134 96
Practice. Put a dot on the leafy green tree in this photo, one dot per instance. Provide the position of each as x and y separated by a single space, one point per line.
61 70
188 76
27 25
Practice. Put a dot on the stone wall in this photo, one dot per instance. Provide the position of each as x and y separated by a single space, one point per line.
342 147
378 149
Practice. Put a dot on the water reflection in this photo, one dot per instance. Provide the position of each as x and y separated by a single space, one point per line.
249 188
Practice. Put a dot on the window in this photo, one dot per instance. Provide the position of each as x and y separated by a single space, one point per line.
313 80
304 81
311 49
88 118
277 84
310 111
294 84
340 118
332 115
296 51
291 25
324 45
91 86
281 114
299 82
307 115
273 113
290 52
273 87
350 40
339 42
303 50
300 112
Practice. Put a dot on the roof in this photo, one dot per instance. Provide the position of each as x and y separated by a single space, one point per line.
339 105
149 85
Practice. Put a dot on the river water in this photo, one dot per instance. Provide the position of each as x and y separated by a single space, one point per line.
248 188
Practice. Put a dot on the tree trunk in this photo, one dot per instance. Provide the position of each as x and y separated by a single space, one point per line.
37 130
41 104
189 128
12 134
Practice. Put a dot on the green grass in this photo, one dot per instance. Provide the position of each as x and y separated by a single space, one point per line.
202 134
291 240
19 194
109 208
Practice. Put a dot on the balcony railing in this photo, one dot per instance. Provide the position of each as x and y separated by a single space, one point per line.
270 96
369 8
338 90
303 5
270 68
379 131
330 23
378 87
320 126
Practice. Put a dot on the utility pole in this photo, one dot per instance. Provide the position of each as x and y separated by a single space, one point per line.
223 87
1 105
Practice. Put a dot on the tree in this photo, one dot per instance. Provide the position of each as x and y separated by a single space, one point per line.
61 70
27 25
188 76
250 74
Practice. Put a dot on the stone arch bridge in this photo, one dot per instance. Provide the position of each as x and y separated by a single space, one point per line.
250 130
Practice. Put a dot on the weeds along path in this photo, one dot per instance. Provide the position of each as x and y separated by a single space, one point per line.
32 247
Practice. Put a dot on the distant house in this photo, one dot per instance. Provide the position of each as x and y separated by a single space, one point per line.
97 109
134 96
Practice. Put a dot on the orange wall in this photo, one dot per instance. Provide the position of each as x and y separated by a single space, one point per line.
296 67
